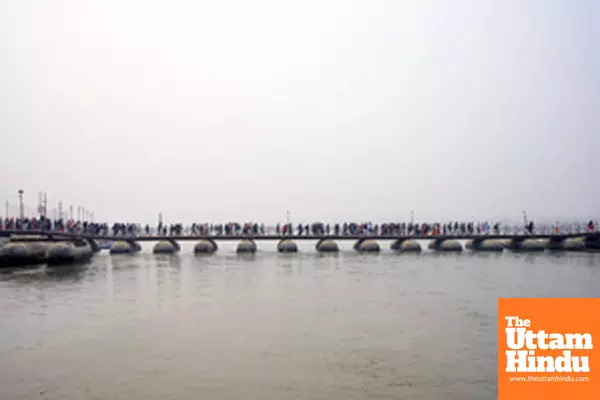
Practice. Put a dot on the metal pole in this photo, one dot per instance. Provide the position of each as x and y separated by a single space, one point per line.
7 208
71 213
412 217
60 210
21 210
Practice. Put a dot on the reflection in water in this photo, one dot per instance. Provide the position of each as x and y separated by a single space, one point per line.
8 273
531 258
269 325
124 261
71 272
167 260
411 254
246 256
329 256
485 255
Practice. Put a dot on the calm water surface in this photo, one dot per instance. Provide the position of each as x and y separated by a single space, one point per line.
269 326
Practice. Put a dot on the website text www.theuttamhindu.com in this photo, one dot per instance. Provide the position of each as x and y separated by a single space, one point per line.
574 379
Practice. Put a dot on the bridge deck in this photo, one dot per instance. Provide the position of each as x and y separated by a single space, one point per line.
58 235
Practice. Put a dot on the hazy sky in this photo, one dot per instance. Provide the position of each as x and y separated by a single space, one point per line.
241 110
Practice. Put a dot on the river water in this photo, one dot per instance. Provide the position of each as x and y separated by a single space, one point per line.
270 326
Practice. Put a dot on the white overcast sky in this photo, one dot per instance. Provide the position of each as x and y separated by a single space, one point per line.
241 110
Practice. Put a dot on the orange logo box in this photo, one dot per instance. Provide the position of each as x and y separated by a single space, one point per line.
549 349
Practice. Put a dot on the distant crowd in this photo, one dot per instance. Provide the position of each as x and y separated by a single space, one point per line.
256 229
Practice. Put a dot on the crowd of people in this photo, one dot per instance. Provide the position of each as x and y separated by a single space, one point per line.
313 229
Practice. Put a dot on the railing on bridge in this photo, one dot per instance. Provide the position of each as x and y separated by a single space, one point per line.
305 235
